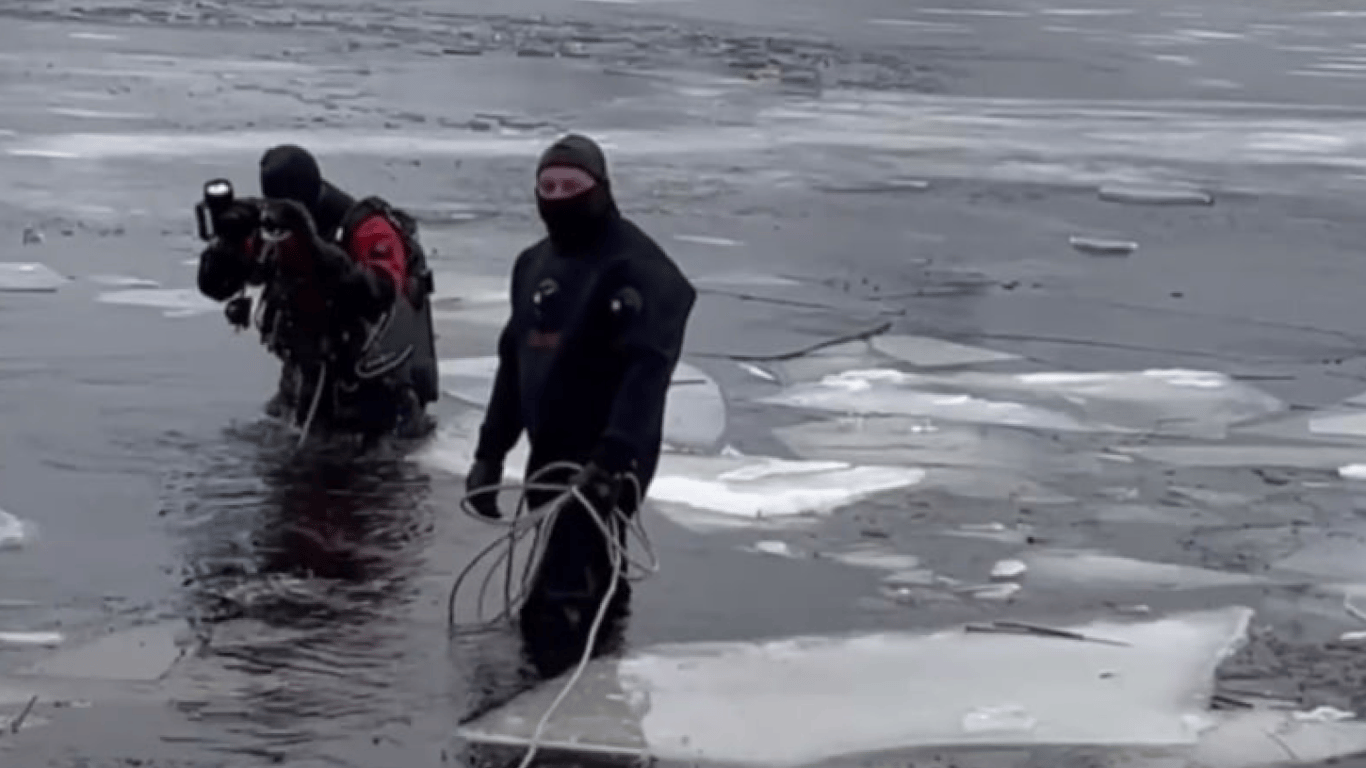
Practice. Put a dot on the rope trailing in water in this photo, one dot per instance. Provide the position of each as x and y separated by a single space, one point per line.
535 523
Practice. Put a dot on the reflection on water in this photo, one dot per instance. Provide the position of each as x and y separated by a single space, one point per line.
317 581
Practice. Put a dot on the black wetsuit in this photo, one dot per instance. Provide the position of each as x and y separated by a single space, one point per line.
599 314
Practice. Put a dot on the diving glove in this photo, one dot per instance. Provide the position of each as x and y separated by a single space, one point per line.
483 475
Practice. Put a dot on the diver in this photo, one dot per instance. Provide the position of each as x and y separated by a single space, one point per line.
344 302
599 313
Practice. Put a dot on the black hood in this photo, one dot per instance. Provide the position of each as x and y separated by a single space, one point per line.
578 223
290 172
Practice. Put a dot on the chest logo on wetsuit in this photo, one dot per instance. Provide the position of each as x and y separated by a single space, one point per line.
543 339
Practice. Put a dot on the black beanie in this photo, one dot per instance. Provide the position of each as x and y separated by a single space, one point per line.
290 172
576 151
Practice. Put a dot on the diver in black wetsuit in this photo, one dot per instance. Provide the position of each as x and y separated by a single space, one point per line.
345 299
599 313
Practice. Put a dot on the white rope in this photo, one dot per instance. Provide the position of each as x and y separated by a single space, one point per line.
533 523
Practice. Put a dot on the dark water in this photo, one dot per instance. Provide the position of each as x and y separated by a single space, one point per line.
309 589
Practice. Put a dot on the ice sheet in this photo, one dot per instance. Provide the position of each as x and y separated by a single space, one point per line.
176 302
1178 402
694 416
885 392
1339 555
1261 739
751 703
928 352
25 277
920 441
1072 570
709 492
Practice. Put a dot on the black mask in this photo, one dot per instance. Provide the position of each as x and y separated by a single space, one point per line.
578 222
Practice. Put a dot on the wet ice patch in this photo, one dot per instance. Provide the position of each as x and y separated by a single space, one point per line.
1184 402
708 492
26 277
1246 456
695 409
886 692
123 281
141 653
885 392
1081 570
928 352
174 302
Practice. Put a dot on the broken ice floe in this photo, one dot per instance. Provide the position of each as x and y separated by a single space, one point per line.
1154 195
141 653
1179 402
1326 457
887 693
1099 246
39 639
929 352
707 492
175 302
694 413
26 277
14 532
1066 570
1353 472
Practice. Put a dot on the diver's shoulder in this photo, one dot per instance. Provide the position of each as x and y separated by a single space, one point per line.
649 256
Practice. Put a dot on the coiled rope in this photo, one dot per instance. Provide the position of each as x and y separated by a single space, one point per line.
536 524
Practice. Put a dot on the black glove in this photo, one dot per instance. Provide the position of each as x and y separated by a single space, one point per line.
601 488
482 475
238 223
288 216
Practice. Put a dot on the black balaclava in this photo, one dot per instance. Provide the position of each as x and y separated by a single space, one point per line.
579 221
290 172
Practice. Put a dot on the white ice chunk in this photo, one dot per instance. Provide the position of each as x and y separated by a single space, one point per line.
744 279
1008 569
1098 246
1353 472
175 302
1081 570
14 532
720 242
751 703
43 639
757 372
705 492
928 352
1351 423
694 413
775 548
26 277
1152 194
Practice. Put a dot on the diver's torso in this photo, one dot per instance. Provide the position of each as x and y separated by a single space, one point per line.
569 366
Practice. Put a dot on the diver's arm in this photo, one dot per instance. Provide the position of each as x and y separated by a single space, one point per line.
503 420
653 343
